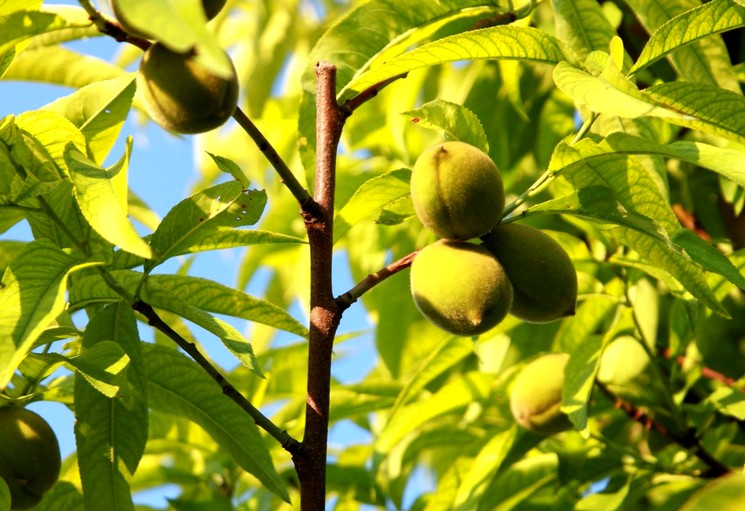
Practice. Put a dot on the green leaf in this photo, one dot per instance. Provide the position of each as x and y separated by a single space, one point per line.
579 379
451 398
708 256
723 494
457 121
182 27
98 111
502 42
371 198
205 219
703 61
64 496
702 107
4 496
104 366
62 66
53 133
230 167
582 25
101 195
204 294
711 18
32 295
526 477
176 385
729 401
111 433
609 93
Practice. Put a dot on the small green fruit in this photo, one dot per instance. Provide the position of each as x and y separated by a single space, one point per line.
182 96
626 370
535 398
457 191
541 272
29 456
460 287
211 8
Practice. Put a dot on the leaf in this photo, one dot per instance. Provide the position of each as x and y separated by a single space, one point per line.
582 25
702 107
197 220
457 121
101 195
230 167
174 292
370 198
729 401
98 111
723 494
32 295
180 26
711 18
703 61
708 256
451 398
176 385
526 477
104 366
111 433
64 496
502 42
62 66
579 379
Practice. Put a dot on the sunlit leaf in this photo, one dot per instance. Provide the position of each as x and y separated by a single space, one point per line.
31 296
457 121
101 195
724 494
177 385
711 18
579 380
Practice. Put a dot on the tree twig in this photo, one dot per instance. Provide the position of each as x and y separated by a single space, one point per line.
373 279
688 441
154 320
354 103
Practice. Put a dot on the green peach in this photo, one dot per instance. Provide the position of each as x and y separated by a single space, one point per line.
535 397
29 456
541 272
457 191
182 96
460 287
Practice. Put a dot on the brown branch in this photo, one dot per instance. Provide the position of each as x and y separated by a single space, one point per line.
154 320
373 279
285 174
688 440
325 314
366 95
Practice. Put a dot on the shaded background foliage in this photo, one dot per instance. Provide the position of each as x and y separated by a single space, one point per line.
618 129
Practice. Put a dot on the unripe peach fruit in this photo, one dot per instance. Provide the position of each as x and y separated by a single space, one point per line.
535 397
457 191
460 287
541 272
29 456
181 95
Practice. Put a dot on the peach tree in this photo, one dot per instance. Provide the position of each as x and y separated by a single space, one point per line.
608 241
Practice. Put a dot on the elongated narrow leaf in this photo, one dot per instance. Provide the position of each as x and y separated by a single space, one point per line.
454 396
708 256
703 61
205 218
703 107
111 433
723 494
98 111
371 198
612 95
101 195
104 366
503 42
160 290
31 296
579 379
582 25
176 385
62 66
711 18
53 133
457 121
